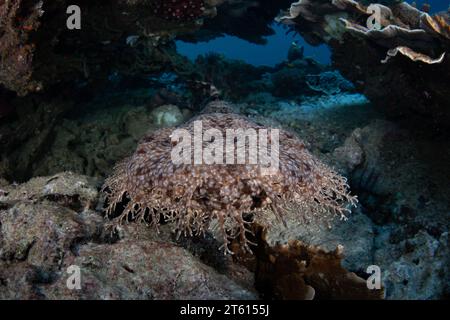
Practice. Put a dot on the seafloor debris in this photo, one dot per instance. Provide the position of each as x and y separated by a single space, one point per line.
150 185
99 93
38 51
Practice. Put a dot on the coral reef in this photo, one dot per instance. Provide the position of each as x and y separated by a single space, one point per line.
88 139
330 82
41 236
82 101
296 77
194 195
384 63
410 222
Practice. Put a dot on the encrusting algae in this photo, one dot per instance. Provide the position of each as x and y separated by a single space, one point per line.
152 188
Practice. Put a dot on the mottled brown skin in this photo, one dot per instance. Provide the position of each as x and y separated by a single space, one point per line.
192 196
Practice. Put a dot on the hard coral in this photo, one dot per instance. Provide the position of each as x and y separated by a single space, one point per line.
297 271
401 26
151 186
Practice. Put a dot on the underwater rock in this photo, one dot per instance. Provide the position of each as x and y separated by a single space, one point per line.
104 135
140 270
329 83
389 168
416 268
42 236
44 233
387 154
149 270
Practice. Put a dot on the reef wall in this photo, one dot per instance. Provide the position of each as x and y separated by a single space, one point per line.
403 67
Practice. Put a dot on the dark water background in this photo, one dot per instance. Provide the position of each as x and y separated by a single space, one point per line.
277 45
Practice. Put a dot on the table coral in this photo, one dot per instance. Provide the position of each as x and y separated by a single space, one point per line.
150 186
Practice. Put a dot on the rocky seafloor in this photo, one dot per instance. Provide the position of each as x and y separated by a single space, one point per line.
58 147
56 220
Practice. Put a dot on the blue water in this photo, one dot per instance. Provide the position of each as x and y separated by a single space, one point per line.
436 5
272 53
277 46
